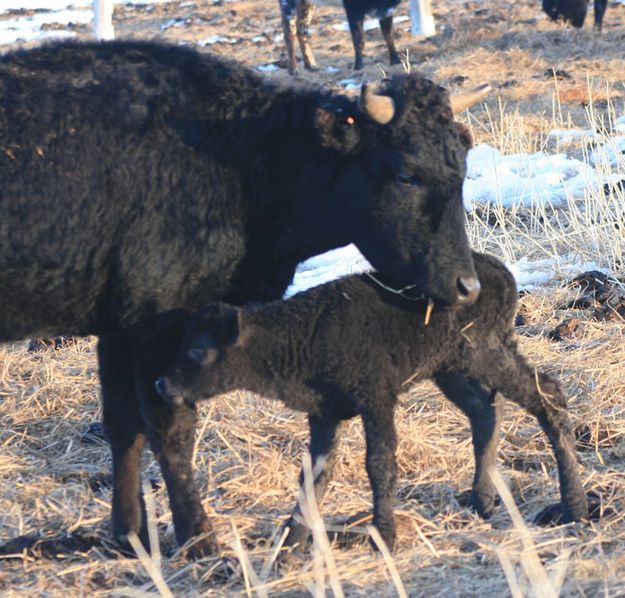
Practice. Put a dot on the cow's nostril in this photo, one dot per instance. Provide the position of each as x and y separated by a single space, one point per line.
468 289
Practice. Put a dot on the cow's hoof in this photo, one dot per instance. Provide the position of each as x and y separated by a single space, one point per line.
200 547
482 504
553 514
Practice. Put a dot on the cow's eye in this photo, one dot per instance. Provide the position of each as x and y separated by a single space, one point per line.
197 354
406 180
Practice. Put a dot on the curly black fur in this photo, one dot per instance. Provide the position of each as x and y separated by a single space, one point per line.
138 177
349 348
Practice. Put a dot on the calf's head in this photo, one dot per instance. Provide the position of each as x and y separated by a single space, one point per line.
401 188
208 360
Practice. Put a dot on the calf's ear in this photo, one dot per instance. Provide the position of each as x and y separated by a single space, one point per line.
338 129
243 330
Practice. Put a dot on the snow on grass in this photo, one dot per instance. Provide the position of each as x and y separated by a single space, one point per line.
538 181
57 13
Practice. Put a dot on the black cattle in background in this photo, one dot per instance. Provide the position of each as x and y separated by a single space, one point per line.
574 11
138 177
296 15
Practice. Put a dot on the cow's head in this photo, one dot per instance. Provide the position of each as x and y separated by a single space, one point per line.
403 185
571 11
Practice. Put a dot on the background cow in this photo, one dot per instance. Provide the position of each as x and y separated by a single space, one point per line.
138 177
574 11
296 16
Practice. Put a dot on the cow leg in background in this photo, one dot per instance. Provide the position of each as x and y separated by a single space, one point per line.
600 6
324 436
171 432
125 431
287 11
386 25
356 27
381 466
483 408
304 15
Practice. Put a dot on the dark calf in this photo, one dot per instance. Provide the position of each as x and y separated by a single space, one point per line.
296 15
349 348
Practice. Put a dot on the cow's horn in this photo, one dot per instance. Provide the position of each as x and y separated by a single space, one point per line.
380 109
462 101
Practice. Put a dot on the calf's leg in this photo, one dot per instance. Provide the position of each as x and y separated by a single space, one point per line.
504 369
123 424
483 408
324 437
381 468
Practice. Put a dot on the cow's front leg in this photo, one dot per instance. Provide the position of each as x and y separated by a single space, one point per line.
124 428
483 408
171 432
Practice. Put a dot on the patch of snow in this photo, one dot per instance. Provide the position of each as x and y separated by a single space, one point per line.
610 153
267 68
217 39
30 28
526 179
349 84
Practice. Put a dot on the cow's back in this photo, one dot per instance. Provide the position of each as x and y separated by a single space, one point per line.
108 204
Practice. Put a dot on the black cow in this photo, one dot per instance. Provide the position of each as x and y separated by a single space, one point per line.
139 177
574 11
296 15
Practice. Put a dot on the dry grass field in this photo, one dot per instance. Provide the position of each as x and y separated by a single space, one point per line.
248 450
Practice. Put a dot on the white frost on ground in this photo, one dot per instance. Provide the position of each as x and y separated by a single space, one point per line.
53 12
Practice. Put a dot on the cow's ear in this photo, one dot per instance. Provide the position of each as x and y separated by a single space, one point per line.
337 128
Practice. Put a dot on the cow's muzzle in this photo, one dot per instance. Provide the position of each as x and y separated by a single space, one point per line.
468 289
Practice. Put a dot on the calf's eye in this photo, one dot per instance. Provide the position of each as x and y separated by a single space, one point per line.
197 354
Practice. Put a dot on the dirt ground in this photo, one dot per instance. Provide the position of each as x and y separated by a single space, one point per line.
53 478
